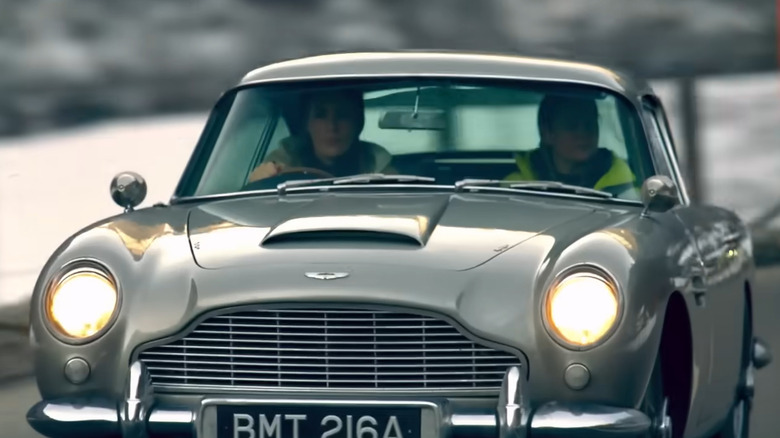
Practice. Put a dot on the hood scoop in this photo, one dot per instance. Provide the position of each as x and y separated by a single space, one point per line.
350 231
433 230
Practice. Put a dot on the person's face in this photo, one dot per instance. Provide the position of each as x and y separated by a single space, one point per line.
573 134
332 125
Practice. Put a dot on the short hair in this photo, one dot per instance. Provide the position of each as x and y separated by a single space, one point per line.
552 105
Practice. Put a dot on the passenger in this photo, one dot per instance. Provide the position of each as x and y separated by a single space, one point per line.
569 151
331 143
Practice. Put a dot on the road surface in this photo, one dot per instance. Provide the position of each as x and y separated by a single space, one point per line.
15 398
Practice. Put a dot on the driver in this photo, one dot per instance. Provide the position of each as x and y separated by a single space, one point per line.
334 120
569 151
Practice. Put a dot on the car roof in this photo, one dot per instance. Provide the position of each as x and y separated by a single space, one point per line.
447 64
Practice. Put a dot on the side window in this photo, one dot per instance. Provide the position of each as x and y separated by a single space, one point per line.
281 132
662 146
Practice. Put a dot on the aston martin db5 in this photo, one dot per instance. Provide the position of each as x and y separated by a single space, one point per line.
407 245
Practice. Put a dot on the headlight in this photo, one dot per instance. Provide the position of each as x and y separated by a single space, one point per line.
582 308
82 303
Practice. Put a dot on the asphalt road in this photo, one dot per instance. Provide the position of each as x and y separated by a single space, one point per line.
15 398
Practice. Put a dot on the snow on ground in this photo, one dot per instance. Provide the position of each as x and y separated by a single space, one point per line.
52 185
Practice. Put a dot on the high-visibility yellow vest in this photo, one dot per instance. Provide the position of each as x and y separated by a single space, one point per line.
619 173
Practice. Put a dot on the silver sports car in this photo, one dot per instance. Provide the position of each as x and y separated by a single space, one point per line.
407 245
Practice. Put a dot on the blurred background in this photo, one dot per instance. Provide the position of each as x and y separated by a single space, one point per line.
89 88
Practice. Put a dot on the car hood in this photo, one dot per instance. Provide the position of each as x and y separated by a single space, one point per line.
451 231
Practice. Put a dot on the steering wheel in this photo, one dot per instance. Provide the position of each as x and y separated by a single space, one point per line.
288 174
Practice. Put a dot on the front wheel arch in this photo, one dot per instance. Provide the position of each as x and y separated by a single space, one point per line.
677 361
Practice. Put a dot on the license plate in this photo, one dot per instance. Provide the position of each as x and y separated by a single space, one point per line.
307 421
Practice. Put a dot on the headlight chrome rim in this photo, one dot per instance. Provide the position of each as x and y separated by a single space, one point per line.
74 267
583 270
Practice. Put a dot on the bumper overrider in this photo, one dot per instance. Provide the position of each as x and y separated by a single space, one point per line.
141 415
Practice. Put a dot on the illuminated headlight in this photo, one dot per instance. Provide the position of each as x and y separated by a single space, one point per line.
582 308
82 303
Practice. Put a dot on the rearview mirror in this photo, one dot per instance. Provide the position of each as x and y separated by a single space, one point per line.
434 120
128 189
659 194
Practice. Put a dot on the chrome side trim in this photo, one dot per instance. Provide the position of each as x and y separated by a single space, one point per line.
169 422
589 421
138 400
513 408
160 416
98 419
459 420
749 390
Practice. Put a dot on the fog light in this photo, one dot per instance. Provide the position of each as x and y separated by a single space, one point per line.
576 376
77 371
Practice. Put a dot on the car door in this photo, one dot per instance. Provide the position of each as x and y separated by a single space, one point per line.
721 241
693 284
724 244
721 300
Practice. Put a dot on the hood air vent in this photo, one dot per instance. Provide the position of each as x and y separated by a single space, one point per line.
341 238
350 231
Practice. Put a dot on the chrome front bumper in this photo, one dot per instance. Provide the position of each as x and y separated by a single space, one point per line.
138 416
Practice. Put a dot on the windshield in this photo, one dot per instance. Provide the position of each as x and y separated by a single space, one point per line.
448 130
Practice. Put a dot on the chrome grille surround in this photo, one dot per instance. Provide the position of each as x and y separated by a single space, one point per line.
329 348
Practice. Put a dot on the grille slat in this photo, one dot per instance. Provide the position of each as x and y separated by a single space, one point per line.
331 373
338 335
308 318
322 341
309 327
272 381
330 348
236 365
332 359
336 350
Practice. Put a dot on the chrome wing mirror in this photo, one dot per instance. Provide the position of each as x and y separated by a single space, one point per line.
659 194
762 356
128 189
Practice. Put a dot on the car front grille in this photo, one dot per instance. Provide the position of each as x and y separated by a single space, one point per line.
319 349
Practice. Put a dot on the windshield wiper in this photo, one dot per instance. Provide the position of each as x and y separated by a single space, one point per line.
364 178
551 186
380 177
